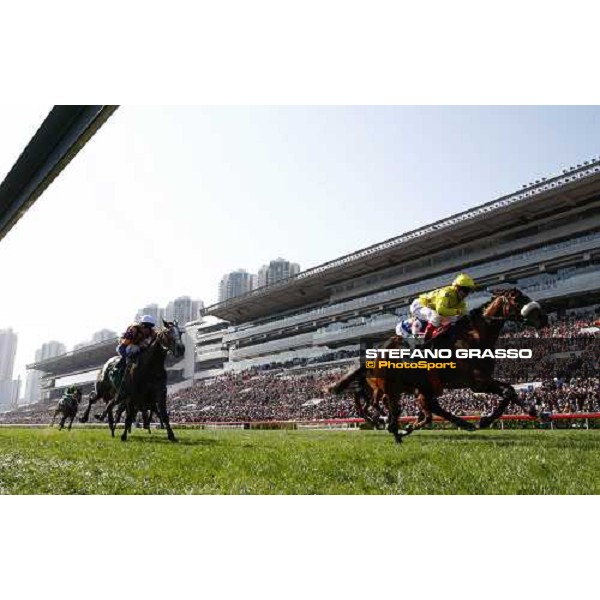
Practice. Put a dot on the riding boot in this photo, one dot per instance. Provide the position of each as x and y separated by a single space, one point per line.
120 367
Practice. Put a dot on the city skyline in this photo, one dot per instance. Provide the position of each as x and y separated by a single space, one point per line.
239 282
9 387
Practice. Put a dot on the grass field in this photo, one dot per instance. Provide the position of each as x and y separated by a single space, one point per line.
47 461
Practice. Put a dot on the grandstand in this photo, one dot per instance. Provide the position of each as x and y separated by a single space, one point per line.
545 239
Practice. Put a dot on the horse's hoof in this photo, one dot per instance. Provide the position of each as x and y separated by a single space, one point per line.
398 438
484 423
470 427
82 420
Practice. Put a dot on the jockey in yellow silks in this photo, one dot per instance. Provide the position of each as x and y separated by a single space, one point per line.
439 308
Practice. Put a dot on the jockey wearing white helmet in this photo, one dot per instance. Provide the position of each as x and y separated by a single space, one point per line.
148 320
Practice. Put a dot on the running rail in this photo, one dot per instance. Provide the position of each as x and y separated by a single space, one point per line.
63 133
358 421
323 422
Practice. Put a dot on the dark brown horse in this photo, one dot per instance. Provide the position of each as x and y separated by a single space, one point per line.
67 407
145 386
479 329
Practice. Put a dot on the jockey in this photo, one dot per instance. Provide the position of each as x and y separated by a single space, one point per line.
72 393
136 338
439 308
72 390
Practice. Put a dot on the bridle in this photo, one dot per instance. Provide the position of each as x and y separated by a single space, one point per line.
510 309
165 338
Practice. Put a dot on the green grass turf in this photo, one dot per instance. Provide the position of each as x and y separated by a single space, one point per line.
46 461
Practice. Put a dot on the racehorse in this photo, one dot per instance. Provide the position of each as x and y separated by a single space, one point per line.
479 329
104 389
67 406
143 387
146 384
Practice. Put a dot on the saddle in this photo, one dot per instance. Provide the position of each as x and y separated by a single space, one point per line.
116 374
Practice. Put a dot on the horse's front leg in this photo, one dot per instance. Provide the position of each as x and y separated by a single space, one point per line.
147 418
360 407
161 406
62 422
129 416
54 417
507 394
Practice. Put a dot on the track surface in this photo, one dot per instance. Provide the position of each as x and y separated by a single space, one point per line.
88 461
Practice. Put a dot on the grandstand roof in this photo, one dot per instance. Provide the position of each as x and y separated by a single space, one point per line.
86 358
60 137
312 286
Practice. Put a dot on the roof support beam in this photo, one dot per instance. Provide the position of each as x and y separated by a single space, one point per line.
63 133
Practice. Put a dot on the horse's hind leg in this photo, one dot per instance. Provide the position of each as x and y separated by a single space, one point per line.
394 417
92 399
62 422
54 417
112 420
109 404
441 412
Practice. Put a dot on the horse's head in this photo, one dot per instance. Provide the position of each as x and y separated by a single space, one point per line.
170 338
514 305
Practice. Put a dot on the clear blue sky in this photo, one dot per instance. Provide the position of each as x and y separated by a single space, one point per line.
163 201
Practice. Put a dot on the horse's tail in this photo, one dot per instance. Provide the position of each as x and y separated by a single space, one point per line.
353 378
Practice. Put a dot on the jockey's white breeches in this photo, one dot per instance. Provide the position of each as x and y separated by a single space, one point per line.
428 314
419 313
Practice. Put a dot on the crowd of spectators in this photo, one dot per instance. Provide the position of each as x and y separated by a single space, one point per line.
33 414
562 376
259 396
